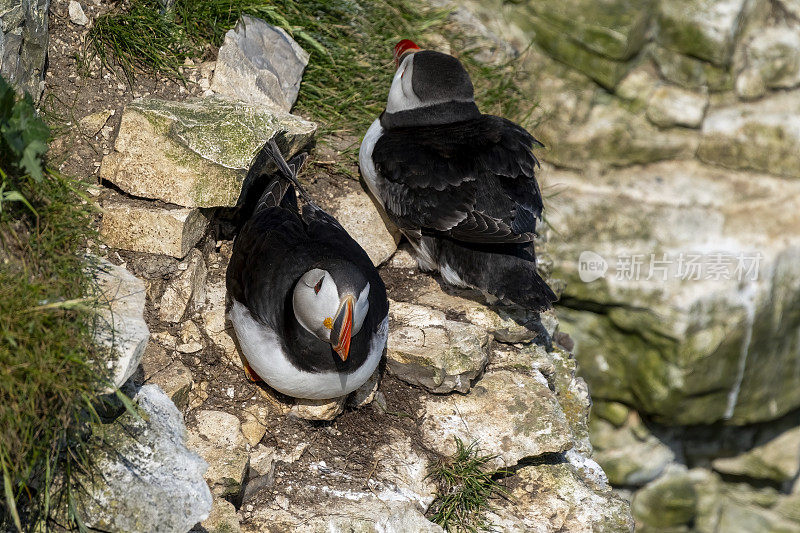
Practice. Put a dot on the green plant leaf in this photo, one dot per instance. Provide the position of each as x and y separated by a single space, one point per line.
10 501
31 159
15 196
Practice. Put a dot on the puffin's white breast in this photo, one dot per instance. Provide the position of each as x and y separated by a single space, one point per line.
262 349
365 158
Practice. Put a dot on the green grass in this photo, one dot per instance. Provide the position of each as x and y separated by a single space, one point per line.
466 487
350 41
46 382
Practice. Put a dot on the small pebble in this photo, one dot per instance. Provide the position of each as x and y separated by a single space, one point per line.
76 14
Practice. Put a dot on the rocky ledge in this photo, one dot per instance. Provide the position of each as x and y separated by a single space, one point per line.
250 459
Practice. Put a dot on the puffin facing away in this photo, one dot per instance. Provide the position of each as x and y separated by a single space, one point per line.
459 184
308 307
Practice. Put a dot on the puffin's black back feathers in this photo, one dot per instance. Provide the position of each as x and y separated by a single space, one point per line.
472 180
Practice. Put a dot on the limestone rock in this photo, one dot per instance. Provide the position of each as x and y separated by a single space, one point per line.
407 519
689 72
513 415
776 460
613 412
143 227
195 153
669 501
174 378
606 72
750 85
556 497
706 29
357 214
217 325
191 339
638 85
630 455
222 519
404 470
393 497
187 288
259 64
672 106
254 422
23 44
217 437
762 136
615 136
613 28
772 60
704 341
572 394
318 409
739 507
121 329
154 360
147 480
360 512
791 6
789 506
740 516
428 350
559 369
76 14
92 123
505 323
262 460
594 38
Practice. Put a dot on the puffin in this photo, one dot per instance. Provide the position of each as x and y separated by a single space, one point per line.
458 183
308 307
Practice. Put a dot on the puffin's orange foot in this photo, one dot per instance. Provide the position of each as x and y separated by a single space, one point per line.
251 375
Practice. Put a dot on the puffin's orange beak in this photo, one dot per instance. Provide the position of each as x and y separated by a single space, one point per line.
402 48
344 325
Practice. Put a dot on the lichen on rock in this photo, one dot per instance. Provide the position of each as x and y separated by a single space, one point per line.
195 153
144 477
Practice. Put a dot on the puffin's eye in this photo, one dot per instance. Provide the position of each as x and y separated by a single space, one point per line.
318 286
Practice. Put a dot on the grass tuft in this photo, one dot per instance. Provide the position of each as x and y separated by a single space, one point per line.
466 487
347 80
46 378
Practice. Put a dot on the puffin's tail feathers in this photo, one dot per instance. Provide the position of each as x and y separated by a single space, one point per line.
289 170
505 271
274 194
284 182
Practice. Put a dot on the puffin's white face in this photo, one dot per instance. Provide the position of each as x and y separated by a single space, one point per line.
401 94
329 317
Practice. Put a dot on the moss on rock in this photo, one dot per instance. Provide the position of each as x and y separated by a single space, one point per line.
195 153
690 73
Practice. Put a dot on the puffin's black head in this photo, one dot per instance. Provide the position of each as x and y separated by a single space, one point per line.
431 81
331 302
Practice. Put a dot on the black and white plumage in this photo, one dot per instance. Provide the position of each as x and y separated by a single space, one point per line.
461 185
309 309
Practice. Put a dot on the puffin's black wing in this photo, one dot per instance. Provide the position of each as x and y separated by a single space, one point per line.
473 180
259 276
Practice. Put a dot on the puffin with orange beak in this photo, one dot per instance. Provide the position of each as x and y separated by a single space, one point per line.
459 184
309 308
